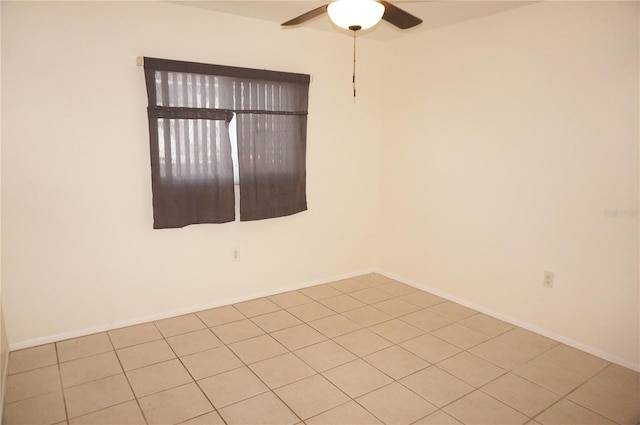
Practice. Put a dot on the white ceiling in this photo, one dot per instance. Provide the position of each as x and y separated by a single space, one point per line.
434 13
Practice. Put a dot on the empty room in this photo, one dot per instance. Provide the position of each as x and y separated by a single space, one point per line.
209 217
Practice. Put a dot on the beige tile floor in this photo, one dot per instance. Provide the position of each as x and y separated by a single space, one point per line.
366 350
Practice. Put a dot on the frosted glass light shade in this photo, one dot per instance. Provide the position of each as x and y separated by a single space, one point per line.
355 13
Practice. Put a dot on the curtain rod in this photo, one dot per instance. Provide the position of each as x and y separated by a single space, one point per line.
140 62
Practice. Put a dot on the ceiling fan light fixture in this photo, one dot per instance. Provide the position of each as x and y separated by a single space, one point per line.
355 14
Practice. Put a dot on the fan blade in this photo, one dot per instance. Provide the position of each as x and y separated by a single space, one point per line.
398 17
306 16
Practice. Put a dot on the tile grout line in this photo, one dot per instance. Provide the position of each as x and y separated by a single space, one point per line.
358 357
370 284
272 390
430 364
247 366
64 395
194 381
215 409
124 372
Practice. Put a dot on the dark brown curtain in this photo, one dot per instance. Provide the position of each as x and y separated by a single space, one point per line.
272 150
190 106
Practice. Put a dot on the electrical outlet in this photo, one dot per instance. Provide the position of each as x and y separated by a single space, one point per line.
548 280
236 254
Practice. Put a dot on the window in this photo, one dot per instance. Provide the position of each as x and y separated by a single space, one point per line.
194 112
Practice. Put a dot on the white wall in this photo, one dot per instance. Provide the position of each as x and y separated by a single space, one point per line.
79 252
505 139
513 134
4 343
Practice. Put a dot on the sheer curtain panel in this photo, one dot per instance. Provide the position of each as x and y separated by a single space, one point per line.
190 108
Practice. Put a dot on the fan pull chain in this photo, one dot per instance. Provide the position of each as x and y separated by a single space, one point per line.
354 64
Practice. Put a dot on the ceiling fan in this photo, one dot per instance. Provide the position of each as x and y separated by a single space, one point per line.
359 14
356 15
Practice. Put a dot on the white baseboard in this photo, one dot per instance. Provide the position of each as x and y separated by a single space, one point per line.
556 337
168 314
165 315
